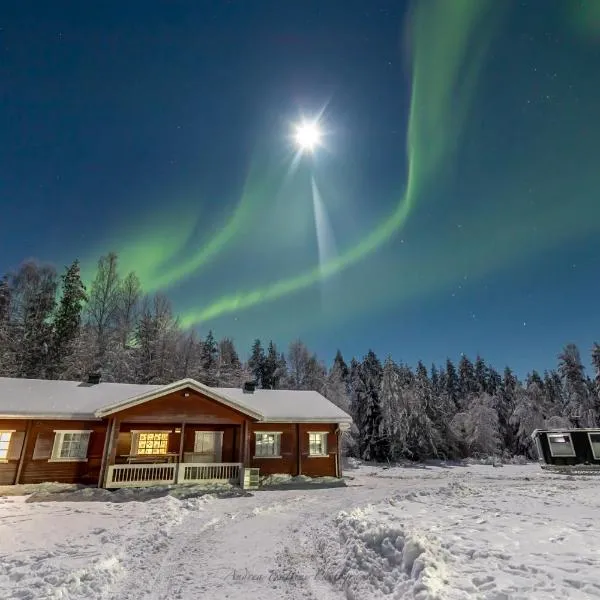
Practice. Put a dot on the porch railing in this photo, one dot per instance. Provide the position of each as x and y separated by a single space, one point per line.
144 475
141 475
204 472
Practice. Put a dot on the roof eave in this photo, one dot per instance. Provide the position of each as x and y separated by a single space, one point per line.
307 420
52 417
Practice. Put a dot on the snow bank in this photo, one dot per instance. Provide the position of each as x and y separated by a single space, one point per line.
373 558
469 540
299 481
93 494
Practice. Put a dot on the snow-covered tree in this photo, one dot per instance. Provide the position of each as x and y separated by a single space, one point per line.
67 320
478 429
366 407
579 406
103 304
156 340
335 388
30 329
230 372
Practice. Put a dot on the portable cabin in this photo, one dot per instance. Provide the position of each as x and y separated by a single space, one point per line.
568 449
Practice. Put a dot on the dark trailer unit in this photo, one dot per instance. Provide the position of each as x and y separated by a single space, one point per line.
568 450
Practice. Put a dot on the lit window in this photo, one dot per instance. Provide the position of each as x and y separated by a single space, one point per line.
152 442
4 444
268 444
317 443
561 444
594 443
70 445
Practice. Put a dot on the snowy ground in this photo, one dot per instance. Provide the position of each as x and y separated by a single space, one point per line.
474 532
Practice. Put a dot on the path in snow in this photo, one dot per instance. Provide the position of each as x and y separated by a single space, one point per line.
458 533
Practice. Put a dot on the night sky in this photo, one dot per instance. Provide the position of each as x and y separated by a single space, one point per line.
453 205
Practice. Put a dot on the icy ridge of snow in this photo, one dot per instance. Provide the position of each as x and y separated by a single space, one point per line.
373 559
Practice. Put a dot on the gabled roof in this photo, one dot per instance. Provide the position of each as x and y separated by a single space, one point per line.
174 387
49 399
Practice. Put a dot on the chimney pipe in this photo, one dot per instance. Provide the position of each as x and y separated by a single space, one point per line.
94 378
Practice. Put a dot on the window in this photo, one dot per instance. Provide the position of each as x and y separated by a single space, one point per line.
70 445
317 443
209 443
4 444
268 444
594 443
150 442
561 444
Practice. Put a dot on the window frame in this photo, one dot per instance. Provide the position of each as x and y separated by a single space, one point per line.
4 459
135 440
59 436
277 444
568 436
325 443
590 434
218 439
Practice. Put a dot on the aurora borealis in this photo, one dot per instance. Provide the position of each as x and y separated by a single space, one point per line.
457 186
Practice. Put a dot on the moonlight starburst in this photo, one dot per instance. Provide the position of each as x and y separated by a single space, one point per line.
308 136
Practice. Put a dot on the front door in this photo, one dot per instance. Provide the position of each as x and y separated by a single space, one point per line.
208 446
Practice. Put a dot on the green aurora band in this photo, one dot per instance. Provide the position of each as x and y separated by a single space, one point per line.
448 42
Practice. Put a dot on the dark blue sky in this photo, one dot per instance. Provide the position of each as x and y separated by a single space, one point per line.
138 125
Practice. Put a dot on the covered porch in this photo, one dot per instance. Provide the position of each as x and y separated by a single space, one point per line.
148 454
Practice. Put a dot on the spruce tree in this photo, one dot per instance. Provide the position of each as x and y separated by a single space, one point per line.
452 383
67 321
481 374
209 361
230 370
271 375
467 382
366 407
256 362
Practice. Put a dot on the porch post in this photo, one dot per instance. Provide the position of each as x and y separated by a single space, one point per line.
111 450
338 458
105 450
245 445
23 451
181 446
299 448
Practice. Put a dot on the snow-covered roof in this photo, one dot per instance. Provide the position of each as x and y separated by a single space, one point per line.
41 398
289 405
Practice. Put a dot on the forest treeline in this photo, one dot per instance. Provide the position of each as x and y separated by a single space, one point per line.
52 327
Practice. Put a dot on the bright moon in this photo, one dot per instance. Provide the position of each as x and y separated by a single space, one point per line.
308 136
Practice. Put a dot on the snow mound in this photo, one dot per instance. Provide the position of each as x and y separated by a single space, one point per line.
46 493
373 559
283 479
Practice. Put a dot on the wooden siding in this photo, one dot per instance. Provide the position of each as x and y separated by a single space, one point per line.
581 445
313 466
40 470
177 408
318 466
8 470
288 461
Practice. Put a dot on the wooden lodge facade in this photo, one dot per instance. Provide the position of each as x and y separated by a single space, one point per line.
122 435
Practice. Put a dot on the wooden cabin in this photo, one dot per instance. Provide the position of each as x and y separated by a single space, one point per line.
568 448
125 435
